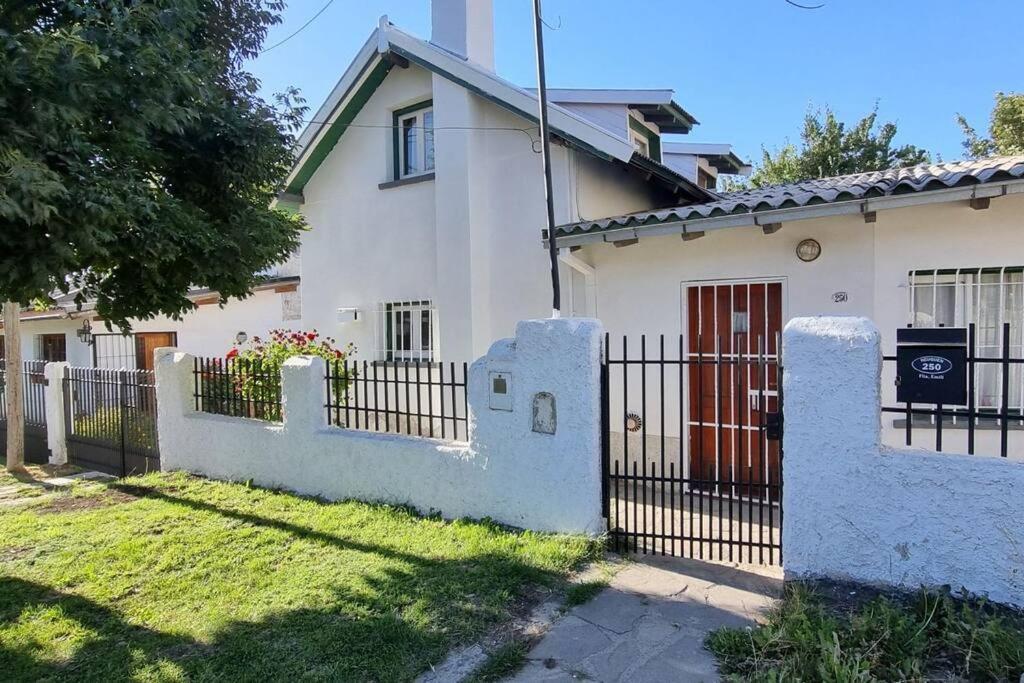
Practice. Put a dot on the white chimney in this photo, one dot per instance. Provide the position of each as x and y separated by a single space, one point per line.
465 27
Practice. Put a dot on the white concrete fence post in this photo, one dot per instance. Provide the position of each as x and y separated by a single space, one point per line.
856 509
832 370
561 471
303 394
56 431
175 399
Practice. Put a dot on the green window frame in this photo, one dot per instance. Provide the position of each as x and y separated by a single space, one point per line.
419 133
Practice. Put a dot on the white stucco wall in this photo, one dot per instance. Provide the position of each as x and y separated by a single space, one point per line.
78 354
856 509
366 245
210 329
469 239
640 288
508 472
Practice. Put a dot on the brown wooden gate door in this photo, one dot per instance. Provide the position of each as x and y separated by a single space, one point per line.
147 342
729 397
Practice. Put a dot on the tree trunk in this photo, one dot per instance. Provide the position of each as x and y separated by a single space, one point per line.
14 389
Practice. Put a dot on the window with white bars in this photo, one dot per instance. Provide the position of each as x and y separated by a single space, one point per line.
407 331
986 297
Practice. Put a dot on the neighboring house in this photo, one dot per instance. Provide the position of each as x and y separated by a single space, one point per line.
703 161
932 245
421 182
56 334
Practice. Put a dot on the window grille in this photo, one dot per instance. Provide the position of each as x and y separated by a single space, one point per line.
987 298
407 331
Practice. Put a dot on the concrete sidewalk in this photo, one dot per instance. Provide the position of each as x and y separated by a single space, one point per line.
650 623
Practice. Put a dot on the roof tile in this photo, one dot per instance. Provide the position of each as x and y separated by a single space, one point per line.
907 180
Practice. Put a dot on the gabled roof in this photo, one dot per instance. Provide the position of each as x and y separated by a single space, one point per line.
836 195
720 156
657 106
388 47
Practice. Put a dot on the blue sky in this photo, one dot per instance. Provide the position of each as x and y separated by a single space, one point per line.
747 69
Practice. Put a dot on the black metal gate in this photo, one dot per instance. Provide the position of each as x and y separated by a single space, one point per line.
110 418
692 449
37 452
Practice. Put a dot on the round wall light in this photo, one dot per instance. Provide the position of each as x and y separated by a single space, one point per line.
808 250
241 337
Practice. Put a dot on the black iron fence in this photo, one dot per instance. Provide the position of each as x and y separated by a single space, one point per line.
111 420
416 398
692 447
238 387
34 402
993 414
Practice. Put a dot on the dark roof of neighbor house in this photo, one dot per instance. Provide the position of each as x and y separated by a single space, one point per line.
821 191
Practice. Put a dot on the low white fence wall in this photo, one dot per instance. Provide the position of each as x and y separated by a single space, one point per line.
507 471
856 509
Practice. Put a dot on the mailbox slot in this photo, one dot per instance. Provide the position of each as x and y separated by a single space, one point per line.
931 365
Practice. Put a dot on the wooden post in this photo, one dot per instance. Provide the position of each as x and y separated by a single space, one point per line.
13 393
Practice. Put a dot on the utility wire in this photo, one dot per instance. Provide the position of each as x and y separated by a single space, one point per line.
300 29
525 131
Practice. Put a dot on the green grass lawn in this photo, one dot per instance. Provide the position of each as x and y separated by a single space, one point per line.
171 577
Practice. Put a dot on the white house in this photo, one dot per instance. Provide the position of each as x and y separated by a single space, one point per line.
420 180
420 183
928 246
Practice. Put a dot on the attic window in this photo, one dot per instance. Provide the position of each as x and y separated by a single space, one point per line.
641 145
414 140
645 141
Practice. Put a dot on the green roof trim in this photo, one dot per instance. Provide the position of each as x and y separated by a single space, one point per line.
340 124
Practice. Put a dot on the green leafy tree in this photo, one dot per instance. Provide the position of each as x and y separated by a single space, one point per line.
136 158
1005 130
829 147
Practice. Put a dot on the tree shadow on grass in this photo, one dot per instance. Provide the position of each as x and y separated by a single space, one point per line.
390 625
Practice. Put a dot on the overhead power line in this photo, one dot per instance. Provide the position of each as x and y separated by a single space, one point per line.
528 132
300 29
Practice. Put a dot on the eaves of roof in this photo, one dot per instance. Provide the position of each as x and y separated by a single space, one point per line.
838 195
669 117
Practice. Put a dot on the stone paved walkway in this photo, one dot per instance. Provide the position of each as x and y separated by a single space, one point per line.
650 623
